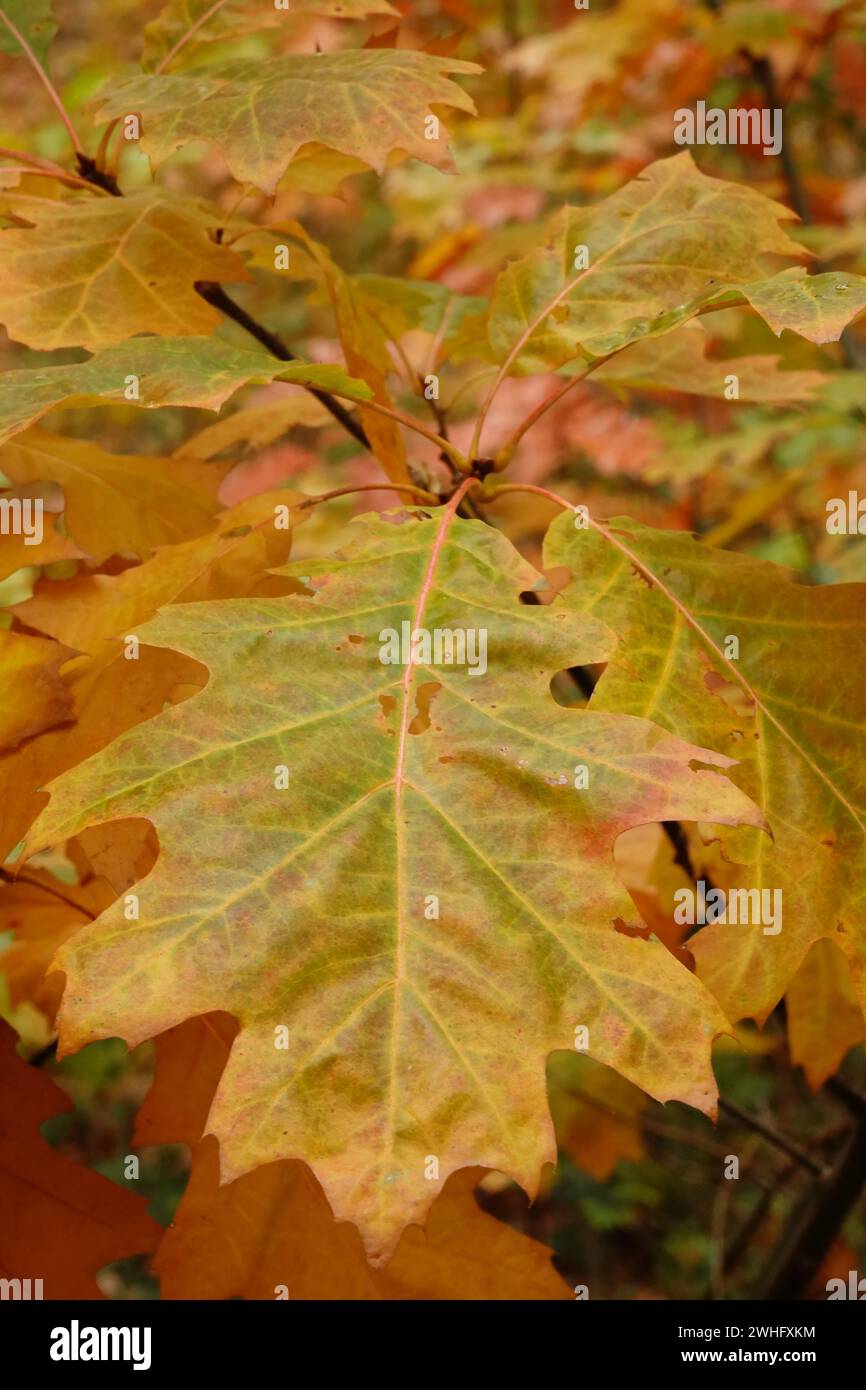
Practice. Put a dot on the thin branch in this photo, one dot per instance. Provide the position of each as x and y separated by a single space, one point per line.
216 296
816 1221
764 73
853 1100
547 404
7 877
411 424
645 1119
718 1223
44 79
427 497
34 164
773 1137
753 1222
811 50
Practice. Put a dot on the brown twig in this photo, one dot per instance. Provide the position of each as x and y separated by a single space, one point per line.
34 165
216 296
772 1136
11 878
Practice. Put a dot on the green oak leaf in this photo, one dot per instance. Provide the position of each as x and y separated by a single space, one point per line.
152 372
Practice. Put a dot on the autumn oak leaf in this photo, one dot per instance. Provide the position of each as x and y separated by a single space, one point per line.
315 804
152 372
274 1227
94 271
117 503
260 113
785 704
636 265
56 1216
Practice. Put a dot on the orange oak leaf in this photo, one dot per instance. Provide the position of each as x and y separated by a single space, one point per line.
59 1221
40 913
34 696
117 503
109 695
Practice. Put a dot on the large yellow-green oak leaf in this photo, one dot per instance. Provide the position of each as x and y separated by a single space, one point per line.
732 653
391 869
260 113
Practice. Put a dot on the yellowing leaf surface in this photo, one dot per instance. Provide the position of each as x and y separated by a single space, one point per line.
261 112
274 1227
653 253
256 425
117 503
818 307
34 696
309 908
824 1019
789 707
679 362
93 271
